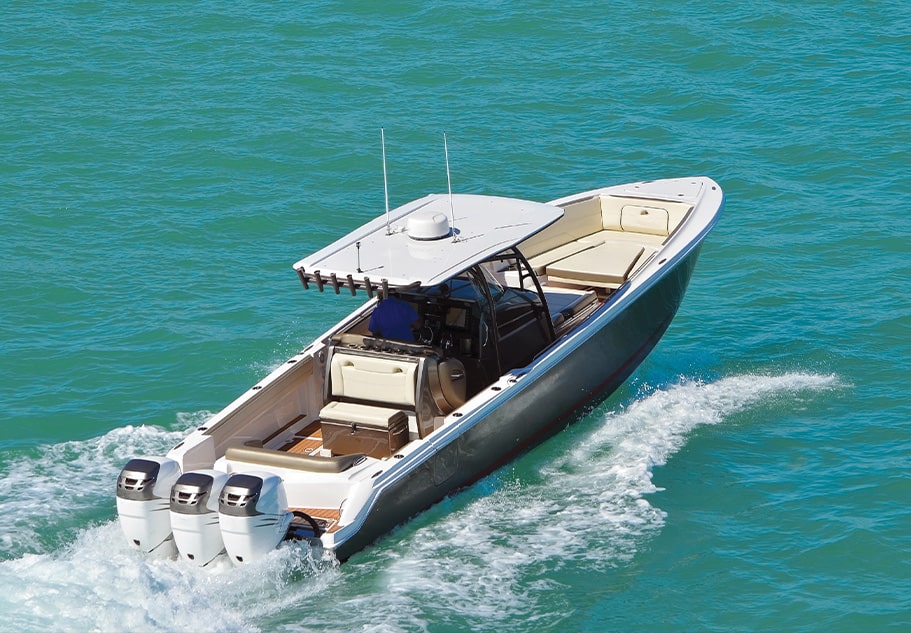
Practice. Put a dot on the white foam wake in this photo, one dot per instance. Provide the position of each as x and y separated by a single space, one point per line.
495 557
97 583
486 556
63 485
66 565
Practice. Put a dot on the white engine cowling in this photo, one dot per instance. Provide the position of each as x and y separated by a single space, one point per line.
194 515
253 514
143 494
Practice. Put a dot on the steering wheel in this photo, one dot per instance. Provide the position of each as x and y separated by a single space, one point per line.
425 336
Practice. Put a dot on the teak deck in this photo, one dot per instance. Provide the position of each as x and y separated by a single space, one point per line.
328 518
307 442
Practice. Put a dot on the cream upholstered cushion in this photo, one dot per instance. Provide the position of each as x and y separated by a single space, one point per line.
608 263
380 417
373 379
642 219
540 262
625 214
580 218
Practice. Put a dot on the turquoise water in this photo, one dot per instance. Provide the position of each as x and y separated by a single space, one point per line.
165 163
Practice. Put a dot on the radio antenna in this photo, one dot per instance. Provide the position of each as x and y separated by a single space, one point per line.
449 183
385 180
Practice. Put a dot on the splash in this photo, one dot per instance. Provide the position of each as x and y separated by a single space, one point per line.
486 556
100 584
47 494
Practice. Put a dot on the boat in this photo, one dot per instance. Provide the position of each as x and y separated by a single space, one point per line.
529 313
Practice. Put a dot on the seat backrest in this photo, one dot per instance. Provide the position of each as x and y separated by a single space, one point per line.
580 218
649 217
364 378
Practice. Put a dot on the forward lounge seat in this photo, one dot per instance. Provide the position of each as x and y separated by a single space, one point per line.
602 240
605 265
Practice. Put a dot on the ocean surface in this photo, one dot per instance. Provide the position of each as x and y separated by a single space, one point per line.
165 163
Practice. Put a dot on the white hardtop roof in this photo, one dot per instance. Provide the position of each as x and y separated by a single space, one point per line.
407 251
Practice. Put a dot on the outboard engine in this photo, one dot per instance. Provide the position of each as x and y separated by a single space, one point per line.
143 491
253 514
194 515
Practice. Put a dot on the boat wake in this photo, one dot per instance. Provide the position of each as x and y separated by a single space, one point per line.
71 478
511 545
487 555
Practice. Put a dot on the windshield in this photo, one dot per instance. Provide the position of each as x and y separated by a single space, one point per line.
493 282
